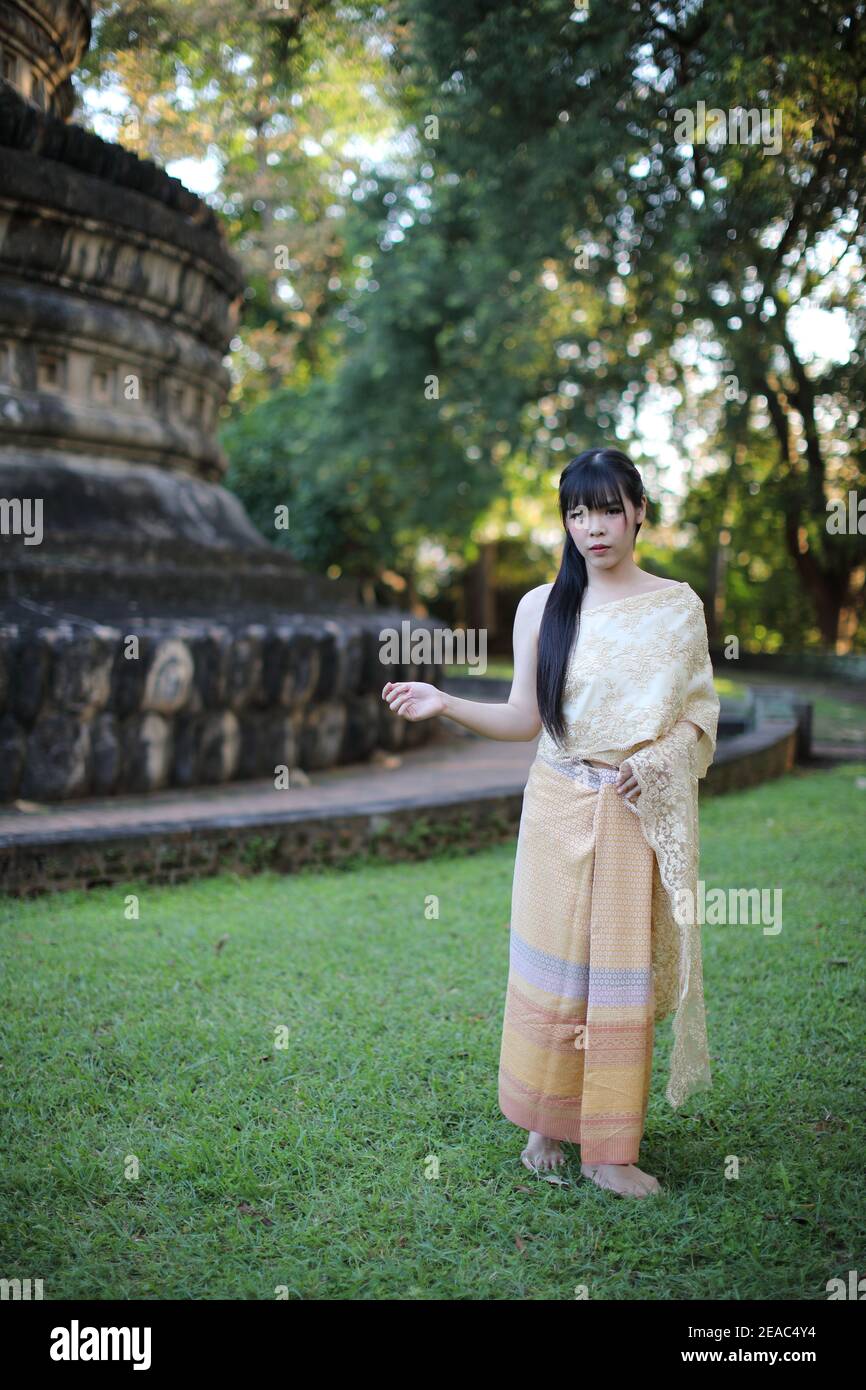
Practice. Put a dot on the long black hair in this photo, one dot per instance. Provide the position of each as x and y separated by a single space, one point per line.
596 479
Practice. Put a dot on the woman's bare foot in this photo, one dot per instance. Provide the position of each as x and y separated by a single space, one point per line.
542 1155
623 1178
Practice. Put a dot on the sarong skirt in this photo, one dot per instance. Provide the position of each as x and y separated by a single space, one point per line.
577 1035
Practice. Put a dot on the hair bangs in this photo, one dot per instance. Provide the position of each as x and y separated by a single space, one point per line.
596 486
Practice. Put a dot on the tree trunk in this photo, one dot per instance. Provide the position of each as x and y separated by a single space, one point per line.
480 591
715 606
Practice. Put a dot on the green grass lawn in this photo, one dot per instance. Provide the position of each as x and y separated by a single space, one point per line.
151 1046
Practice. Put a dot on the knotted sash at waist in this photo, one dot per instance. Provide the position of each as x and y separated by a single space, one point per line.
580 770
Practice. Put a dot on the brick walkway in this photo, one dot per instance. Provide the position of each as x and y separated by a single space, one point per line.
456 790
442 771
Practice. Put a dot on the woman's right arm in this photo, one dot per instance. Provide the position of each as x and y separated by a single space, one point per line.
516 721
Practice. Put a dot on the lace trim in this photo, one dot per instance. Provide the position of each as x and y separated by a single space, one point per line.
667 773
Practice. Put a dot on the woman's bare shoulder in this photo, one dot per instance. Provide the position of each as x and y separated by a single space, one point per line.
537 597
530 609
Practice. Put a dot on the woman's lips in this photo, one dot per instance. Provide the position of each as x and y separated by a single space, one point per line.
599 547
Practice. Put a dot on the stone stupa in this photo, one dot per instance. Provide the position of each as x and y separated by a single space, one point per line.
149 636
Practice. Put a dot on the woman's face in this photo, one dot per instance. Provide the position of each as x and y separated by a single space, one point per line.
611 527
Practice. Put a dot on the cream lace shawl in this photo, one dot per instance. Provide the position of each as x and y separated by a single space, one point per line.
640 666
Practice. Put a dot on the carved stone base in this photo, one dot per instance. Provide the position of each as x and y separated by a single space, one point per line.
93 708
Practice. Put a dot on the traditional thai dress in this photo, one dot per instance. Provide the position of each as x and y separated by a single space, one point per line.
604 939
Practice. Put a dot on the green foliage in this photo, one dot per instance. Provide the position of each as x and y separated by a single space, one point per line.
272 95
536 257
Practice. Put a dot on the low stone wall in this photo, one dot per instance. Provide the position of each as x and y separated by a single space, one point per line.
205 843
748 759
176 854
92 709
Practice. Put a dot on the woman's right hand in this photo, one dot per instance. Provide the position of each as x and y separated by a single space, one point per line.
414 700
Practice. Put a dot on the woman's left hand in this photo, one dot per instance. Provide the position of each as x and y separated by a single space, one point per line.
626 783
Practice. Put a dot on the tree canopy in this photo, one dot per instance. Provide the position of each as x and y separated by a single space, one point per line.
573 221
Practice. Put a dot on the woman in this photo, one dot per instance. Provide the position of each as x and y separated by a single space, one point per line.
611 665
